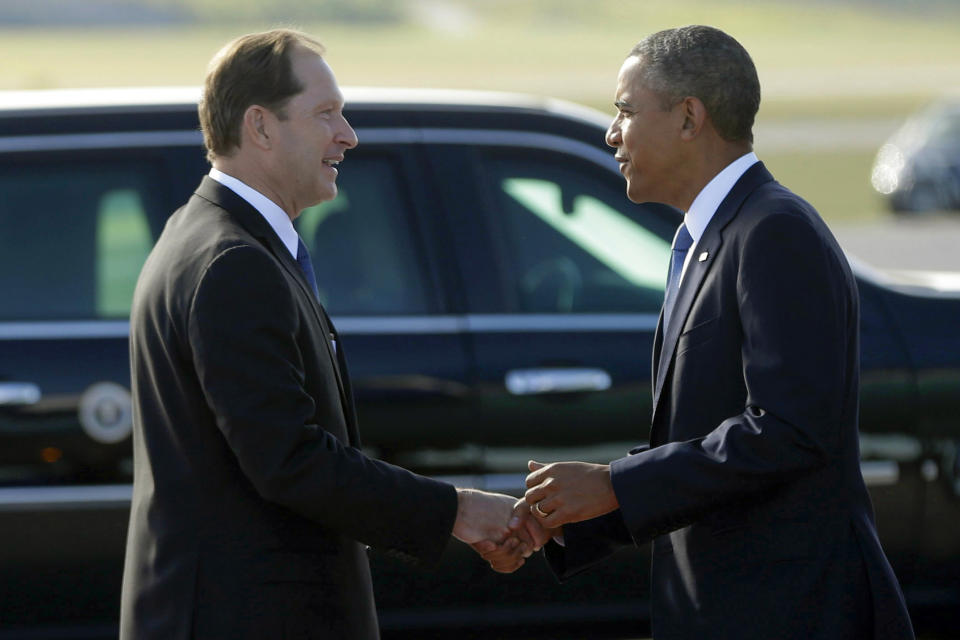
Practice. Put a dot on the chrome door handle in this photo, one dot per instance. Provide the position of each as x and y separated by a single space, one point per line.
13 394
523 382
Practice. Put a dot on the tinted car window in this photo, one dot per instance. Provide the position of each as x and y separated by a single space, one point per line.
75 236
570 242
363 245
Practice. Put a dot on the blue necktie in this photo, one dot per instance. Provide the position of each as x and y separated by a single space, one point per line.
303 259
681 244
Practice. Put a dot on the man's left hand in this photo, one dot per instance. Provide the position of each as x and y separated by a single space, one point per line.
563 492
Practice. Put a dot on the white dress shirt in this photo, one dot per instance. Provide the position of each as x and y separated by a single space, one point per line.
276 217
708 200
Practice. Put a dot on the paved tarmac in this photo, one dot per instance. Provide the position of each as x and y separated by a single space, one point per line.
905 242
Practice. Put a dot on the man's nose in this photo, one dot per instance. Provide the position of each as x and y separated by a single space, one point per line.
347 136
613 135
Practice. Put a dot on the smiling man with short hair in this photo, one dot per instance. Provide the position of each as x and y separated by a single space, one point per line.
252 500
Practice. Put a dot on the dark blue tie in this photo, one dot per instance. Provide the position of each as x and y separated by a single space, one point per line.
303 259
681 244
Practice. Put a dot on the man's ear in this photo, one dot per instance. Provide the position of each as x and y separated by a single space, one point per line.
694 117
256 126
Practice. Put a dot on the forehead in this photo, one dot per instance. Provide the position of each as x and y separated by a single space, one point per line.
315 75
628 80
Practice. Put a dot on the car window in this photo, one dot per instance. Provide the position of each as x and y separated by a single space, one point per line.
364 248
74 237
571 242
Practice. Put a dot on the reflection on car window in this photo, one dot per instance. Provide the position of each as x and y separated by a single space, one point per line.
123 242
569 244
623 246
363 248
74 237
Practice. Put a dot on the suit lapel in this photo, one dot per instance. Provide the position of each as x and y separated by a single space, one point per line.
344 377
257 226
709 244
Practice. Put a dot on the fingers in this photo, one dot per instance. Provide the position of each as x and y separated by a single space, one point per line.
521 513
534 495
503 558
554 519
563 492
538 482
524 536
541 494
527 527
484 546
537 472
538 533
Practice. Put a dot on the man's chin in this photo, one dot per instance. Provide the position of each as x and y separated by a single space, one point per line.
635 195
328 192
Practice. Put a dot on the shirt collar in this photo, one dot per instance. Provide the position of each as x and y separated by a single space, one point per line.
278 220
708 200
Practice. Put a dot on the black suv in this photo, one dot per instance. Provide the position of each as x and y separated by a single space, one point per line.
497 296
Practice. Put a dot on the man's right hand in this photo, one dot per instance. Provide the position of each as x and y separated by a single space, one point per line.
482 516
527 536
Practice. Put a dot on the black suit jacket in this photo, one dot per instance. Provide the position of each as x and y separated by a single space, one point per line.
252 502
751 489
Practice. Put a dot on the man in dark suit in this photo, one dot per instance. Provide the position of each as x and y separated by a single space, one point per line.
750 488
252 502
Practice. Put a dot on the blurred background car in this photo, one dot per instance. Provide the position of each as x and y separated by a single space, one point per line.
918 168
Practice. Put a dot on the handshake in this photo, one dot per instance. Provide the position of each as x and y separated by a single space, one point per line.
506 531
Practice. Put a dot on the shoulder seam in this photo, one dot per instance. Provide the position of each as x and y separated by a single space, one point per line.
203 275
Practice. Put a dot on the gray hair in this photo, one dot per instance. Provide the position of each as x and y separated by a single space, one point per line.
705 63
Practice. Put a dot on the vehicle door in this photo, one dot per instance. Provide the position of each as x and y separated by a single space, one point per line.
79 215
563 280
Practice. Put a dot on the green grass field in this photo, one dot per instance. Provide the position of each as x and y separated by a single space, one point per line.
816 60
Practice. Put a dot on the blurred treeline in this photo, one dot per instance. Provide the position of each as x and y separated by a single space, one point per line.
106 13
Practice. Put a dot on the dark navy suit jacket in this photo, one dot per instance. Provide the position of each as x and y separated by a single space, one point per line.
252 502
751 489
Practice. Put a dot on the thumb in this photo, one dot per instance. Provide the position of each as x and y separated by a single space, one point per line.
533 465
521 513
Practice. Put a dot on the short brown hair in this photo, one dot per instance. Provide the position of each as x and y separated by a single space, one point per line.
253 69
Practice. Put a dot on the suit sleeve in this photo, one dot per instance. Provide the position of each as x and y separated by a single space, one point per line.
242 327
796 304
587 543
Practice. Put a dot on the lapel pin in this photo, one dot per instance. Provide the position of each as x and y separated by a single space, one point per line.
703 257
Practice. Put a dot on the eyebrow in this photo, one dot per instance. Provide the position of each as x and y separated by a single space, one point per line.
620 104
328 104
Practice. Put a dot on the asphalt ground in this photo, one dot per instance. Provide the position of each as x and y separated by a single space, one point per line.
915 242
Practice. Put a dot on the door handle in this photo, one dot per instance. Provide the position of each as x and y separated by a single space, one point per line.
524 382
14 394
